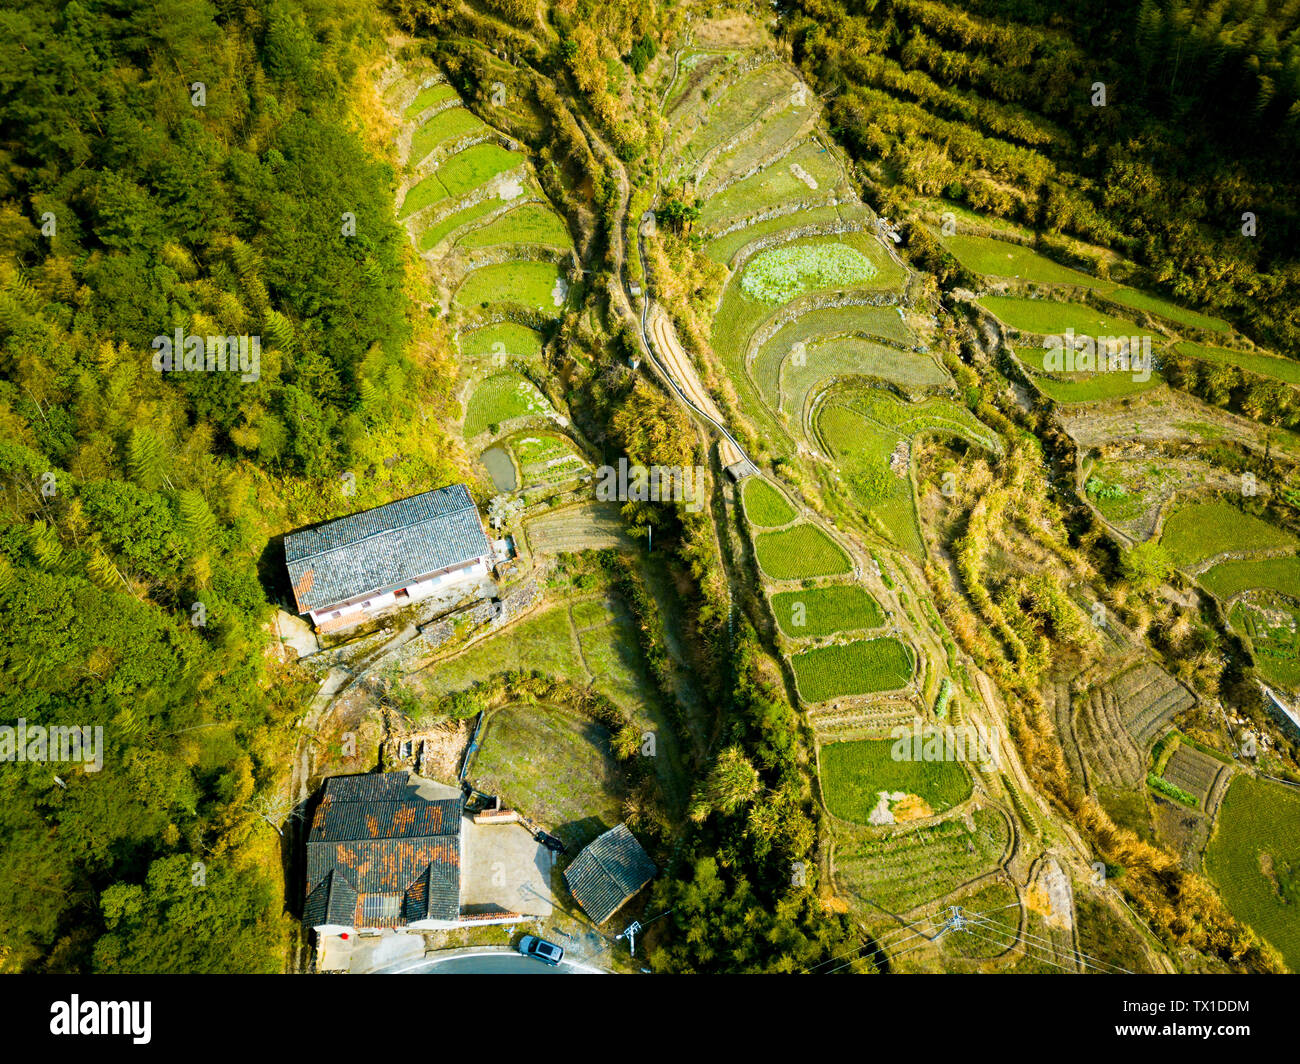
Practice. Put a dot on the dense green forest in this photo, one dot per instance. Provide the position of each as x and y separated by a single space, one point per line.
998 105
195 167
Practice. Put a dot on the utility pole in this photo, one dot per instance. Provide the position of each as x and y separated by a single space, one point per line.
636 927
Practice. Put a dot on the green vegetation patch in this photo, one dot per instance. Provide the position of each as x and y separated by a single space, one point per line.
1048 317
816 612
1272 624
904 869
428 96
547 459
1131 297
555 766
463 172
1278 574
853 775
439 231
1254 860
800 553
1000 258
765 506
499 398
1272 366
786 180
1200 530
451 124
530 223
779 275
539 286
501 342
858 668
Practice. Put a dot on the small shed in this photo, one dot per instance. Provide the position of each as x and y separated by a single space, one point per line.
608 872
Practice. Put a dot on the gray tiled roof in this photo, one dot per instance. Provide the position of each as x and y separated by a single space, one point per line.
374 835
385 548
608 872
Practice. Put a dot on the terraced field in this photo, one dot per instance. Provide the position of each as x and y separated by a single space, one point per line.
765 506
502 398
547 461
1231 578
996 258
1274 367
905 869
1108 750
869 435
860 778
815 613
800 552
858 668
1271 622
473 206
1149 698
991 257
535 286
1254 860
579 527
1048 317
1197 532
1196 773
875 719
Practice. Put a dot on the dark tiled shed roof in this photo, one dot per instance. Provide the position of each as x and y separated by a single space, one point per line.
385 548
374 836
608 872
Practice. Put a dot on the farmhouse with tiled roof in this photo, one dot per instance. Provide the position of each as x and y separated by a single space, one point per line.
380 855
347 570
608 872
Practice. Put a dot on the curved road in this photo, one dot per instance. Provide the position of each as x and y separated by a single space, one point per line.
488 960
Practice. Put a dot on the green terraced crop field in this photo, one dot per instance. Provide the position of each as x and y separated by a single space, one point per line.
461 173
816 612
1198 531
1273 627
439 231
861 449
1279 574
1048 317
538 286
780 183
905 869
799 553
446 125
428 96
862 431
1131 297
765 506
854 773
501 342
1001 258
723 249
799 370
500 398
1275 367
531 223
858 668
1095 387
1254 860
781 274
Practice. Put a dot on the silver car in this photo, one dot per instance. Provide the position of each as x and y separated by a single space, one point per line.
547 952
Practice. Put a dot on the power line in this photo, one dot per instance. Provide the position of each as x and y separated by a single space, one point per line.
881 945
1084 958
1027 949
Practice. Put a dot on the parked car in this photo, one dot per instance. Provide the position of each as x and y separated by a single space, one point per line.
546 952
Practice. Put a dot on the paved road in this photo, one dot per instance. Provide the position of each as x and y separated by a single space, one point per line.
487 961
